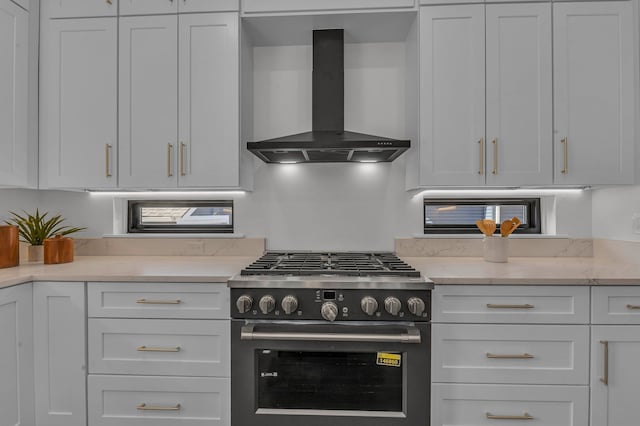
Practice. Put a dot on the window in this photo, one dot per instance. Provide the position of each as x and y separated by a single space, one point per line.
180 216
459 216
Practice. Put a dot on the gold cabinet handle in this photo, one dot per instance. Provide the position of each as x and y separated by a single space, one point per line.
157 349
633 306
507 356
481 169
565 164
495 156
158 302
145 407
107 156
605 372
496 306
169 152
182 146
525 416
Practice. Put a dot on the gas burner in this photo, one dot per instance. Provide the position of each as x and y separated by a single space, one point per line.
339 263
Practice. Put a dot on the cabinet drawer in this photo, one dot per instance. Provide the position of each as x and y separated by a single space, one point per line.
615 305
458 405
278 6
525 354
158 401
159 300
511 304
160 347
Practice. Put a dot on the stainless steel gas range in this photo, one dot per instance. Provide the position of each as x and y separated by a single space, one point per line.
330 338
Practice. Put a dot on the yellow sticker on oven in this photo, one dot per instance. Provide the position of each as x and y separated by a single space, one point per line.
389 360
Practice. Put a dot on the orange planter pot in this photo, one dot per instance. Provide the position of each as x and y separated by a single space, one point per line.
9 246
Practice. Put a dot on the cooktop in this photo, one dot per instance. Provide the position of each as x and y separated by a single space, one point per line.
331 263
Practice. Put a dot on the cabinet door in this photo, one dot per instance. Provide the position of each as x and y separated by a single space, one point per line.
209 6
614 359
519 90
78 8
594 92
60 365
16 356
148 7
14 27
78 89
148 101
209 145
452 96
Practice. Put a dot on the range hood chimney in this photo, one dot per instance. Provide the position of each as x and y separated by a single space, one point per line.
328 142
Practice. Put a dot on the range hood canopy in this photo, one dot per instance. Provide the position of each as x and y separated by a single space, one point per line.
328 142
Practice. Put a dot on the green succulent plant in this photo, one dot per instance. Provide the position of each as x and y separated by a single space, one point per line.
34 229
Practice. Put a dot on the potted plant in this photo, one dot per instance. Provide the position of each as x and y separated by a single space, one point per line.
34 229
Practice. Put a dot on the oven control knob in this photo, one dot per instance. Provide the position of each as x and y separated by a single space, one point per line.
416 306
267 304
329 311
244 303
289 304
392 305
369 305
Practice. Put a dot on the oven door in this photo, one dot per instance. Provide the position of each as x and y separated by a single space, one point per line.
312 374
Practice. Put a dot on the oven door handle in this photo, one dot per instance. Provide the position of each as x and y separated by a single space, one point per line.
411 336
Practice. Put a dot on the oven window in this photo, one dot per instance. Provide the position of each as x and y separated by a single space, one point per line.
329 380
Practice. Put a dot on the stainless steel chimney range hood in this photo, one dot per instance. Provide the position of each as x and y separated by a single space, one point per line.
328 142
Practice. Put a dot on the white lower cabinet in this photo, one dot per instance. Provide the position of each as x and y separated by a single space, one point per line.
60 353
159 354
509 355
615 352
158 401
463 405
16 356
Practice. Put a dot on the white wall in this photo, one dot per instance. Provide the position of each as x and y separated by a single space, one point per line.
613 211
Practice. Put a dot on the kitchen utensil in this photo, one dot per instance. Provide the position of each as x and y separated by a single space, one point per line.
486 226
9 246
508 226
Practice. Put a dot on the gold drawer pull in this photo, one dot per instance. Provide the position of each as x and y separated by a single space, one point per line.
525 416
145 407
605 372
158 302
565 163
495 306
481 169
507 356
148 349
633 306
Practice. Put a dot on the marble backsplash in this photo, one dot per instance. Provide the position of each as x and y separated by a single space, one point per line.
169 246
473 247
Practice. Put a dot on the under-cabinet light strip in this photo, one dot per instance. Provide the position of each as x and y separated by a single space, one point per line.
502 192
164 193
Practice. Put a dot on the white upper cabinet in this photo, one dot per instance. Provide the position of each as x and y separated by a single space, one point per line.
179 105
519 93
78 92
152 7
514 98
14 29
594 93
208 143
280 6
78 8
452 95
148 101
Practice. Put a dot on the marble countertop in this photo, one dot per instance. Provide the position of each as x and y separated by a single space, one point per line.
527 271
442 270
130 268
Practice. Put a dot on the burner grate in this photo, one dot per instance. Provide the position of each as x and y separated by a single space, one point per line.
332 263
